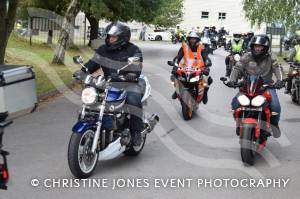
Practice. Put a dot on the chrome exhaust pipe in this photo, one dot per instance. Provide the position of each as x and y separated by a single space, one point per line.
151 123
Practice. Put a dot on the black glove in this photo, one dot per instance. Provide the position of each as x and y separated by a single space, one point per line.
114 77
84 69
79 74
279 84
208 63
205 71
131 77
174 69
231 84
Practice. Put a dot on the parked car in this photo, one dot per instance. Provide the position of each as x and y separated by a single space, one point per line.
159 35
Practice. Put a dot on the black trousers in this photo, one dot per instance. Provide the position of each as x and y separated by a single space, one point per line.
133 104
135 107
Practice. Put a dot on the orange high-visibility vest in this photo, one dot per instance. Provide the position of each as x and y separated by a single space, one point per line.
190 60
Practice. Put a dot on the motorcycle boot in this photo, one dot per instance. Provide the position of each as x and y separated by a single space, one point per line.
276 131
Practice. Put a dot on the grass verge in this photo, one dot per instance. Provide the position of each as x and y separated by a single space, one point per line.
48 76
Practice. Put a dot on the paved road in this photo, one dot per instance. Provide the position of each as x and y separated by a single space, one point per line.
205 147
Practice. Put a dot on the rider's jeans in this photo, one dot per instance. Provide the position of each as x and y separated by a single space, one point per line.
274 106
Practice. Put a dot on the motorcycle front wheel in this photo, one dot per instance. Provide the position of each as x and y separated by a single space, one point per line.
295 92
82 162
187 106
248 147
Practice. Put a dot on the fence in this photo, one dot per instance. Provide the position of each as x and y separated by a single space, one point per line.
44 27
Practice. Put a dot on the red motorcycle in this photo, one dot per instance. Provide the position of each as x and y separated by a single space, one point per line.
190 85
252 116
3 164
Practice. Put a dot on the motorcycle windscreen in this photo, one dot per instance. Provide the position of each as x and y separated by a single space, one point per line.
253 84
188 69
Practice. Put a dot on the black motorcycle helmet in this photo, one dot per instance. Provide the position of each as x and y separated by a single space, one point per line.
193 35
262 40
117 29
237 37
250 34
296 41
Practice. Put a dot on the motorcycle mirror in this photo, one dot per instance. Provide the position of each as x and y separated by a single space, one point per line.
134 60
170 63
223 79
78 59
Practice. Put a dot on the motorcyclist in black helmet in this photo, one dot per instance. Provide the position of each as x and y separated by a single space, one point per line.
248 38
112 56
294 56
261 62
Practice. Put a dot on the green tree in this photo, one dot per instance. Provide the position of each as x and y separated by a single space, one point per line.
269 11
64 36
124 10
94 11
7 20
169 14
147 11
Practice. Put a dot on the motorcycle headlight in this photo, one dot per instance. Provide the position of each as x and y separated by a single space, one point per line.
195 79
295 72
237 57
243 100
89 96
258 101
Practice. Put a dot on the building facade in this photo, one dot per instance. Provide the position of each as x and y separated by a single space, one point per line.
220 13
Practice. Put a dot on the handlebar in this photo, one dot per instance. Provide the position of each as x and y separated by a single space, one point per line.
241 83
294 64
121 78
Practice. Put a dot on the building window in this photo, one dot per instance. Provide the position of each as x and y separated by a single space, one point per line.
222 15
204 15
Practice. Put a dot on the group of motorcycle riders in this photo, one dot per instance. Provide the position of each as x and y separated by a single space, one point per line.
256 59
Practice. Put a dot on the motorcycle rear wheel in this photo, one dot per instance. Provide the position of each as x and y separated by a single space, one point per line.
135 150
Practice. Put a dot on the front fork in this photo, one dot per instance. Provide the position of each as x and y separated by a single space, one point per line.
99 123
240 119
295 85
257 123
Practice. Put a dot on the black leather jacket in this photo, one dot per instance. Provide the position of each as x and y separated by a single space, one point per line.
111 61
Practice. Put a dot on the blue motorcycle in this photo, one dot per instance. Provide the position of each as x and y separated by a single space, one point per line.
102 131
